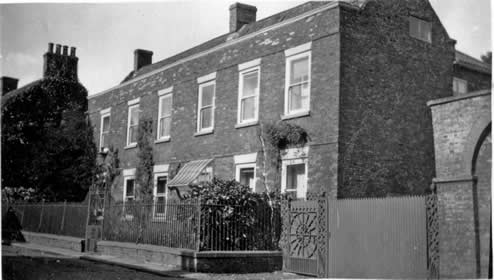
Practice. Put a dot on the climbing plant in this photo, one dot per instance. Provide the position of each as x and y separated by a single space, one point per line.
145 163
47 140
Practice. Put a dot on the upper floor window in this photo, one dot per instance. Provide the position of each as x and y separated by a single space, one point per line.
132 122
420 29
104 129
460 86
297 88
248 95
205 111
164 114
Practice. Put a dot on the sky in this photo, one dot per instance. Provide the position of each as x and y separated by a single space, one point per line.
106 34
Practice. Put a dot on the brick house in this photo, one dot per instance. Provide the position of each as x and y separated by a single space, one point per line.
356 75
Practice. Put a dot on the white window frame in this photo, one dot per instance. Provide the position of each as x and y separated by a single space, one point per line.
421 24
106 113
239 167
284 165
200 107
166 93
159 171
241 76
294 156
298 52
458 81
131 106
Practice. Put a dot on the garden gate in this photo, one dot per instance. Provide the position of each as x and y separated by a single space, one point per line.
361 238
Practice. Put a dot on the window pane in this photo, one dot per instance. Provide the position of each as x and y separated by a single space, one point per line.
295 176
207 95
164 129
166 105
133 134
161 185
160 205
250 84
299 70
206 117
247 177
104 140
106 124
129 191
248 108
134 115
299 97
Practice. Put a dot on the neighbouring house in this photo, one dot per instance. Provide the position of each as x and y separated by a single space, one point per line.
46 140
356 75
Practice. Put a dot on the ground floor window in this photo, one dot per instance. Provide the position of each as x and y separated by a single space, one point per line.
246 175
294 171
160 195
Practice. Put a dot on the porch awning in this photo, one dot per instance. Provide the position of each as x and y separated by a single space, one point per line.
188 173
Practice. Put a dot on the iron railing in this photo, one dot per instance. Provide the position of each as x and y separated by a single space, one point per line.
54 218
188 225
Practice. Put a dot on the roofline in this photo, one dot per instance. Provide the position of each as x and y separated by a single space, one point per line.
450 99
229 43
486 68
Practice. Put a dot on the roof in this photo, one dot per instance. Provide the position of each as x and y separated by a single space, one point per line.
450 99
20 90
472 63
188 173
246 29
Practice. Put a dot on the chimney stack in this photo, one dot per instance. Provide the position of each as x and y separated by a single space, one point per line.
142 58
8 84
241 14
60 63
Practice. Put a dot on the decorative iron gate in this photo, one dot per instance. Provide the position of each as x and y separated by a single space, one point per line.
300 236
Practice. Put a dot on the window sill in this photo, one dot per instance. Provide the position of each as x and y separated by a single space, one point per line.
204 132
162 140
296 115
246 124
131 146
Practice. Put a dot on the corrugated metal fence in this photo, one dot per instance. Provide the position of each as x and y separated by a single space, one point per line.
357 238
377 238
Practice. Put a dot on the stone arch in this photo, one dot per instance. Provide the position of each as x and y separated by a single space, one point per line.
476 136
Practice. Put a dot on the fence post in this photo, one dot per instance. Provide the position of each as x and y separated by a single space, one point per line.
285 230
199 229
63 216
41 214
322 236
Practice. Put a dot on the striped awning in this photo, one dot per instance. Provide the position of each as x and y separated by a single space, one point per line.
188 173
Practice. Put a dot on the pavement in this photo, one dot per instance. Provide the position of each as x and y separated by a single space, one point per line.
109 265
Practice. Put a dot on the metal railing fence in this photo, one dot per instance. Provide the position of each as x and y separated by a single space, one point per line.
54 218
175 224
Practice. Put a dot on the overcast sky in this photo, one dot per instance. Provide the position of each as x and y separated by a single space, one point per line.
106 35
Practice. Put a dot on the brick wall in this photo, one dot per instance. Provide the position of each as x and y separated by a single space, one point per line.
386 142
463 180
226 141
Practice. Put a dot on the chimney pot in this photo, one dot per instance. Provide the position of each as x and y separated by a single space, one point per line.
8 84
58 47
142 58
50 47
72 51
65 50
240 15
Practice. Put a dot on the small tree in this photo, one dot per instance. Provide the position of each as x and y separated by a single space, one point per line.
487 57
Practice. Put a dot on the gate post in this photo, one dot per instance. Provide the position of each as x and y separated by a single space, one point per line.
432 227
322 236
285 228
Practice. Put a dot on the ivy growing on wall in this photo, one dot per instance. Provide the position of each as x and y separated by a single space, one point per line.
144 169
274 138
47 139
